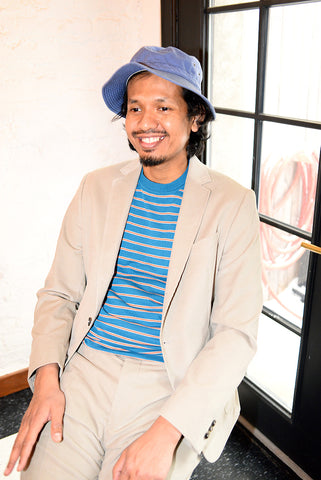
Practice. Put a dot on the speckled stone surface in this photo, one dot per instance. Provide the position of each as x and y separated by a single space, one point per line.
12 408
243 457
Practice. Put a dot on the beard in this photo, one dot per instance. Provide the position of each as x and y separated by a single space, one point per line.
150 161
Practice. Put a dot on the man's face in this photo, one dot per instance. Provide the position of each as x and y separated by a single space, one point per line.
156 122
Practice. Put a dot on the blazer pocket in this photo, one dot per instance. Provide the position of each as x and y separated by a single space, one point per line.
203 254
205 244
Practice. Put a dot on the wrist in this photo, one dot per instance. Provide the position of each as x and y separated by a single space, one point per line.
172 433
48 374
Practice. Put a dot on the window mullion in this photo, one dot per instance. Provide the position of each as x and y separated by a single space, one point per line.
261 65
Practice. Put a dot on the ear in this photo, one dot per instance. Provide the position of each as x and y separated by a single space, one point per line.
197 121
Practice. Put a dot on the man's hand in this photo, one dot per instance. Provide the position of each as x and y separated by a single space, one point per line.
151 455
47 404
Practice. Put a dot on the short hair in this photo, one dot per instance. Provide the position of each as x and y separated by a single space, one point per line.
195 106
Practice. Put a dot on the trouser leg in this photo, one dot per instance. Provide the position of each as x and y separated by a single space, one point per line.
110 401
79 456
142 390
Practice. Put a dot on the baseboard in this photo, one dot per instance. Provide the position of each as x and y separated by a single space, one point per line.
274 449
13 382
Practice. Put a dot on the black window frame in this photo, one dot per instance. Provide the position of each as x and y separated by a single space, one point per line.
185 25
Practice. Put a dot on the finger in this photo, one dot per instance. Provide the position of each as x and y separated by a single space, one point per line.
28 447
57 423
32 429
15 453
16 449
117 470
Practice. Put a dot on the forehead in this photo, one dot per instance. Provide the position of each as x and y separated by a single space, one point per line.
145 84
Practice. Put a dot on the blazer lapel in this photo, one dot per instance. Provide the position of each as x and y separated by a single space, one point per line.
195 198
122 191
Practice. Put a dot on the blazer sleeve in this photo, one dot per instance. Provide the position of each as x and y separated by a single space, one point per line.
214 375
58 301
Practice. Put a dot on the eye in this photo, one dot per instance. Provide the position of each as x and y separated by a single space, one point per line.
164 109
134 109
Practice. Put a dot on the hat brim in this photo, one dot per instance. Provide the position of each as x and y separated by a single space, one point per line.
114 89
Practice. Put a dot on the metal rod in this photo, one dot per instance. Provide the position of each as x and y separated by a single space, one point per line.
310 246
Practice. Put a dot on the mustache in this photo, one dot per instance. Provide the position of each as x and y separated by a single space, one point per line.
150 130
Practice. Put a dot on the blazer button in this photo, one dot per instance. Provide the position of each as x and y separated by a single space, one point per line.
206 436
89 321
212 426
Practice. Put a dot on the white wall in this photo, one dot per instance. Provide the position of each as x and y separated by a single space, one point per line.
54 127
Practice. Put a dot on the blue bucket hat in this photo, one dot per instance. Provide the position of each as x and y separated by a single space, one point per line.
169 63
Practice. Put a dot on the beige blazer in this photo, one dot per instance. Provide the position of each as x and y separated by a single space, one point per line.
212 299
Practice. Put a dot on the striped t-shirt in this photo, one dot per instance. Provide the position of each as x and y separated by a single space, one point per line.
130 319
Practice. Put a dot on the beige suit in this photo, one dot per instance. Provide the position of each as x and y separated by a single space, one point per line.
212 299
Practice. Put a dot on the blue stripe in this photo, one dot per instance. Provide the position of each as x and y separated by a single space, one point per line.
159 208
148 240
146 252
135 228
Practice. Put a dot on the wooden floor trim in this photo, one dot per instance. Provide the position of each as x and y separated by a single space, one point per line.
13 382
274 449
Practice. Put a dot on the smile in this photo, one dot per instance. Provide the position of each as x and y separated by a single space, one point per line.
151 139
150 142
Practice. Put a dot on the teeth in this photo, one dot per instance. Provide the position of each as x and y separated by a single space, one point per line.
151 139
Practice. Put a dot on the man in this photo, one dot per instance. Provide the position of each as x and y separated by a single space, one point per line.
148 318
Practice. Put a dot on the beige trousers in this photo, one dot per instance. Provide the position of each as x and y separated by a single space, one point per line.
110 401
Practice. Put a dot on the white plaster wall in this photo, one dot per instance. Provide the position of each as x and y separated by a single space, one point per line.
54 127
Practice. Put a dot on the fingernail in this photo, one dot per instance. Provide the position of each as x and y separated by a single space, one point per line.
57 437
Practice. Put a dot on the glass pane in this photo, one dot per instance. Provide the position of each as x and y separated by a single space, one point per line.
233 59
230 147
290 158
274 366
285 265
293 75
220 3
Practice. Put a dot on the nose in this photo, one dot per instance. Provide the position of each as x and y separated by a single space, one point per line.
148 120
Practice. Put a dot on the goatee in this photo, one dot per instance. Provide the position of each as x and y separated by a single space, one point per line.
150 161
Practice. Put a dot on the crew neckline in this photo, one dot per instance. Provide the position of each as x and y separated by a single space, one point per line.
162 187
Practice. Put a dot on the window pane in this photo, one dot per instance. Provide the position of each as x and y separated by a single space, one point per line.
290 158
274 366
285 266
293 75
233 59
220 3
230 147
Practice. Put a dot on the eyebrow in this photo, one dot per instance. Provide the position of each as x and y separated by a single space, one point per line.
161 100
